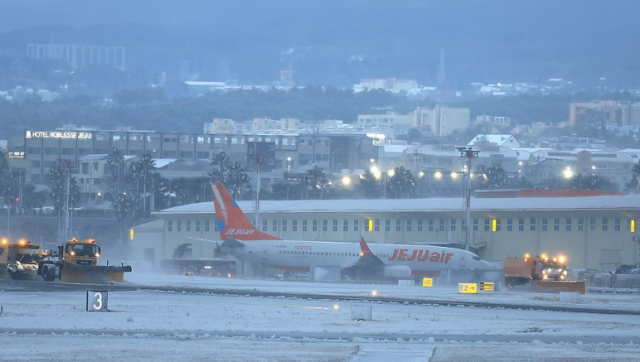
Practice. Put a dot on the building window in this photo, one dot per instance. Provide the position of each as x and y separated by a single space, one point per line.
580 224
294 227
198 225
509 224
419 224
544 225
387 225
498 225
188 225
206 225
264 225
314 225
376 224
605 224
568 227
274 225
179 225
592 224
169 226
475 224
367 225
616 226
430 224
345 225
284 225
520 224
556 224
452 226
304 225
408 224
398 225
442 225
487 224
335 225
355 225
325 223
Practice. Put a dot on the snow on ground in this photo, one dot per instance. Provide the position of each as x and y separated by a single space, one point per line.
151 325
625 301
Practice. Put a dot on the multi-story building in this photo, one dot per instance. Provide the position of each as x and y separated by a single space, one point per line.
442 120
618 113
386 120
332 151
79 56
220 125
546 164
392 84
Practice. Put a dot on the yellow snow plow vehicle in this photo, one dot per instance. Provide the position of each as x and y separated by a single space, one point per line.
77 262
20 259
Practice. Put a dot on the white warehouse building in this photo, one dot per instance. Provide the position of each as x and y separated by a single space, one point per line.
595 232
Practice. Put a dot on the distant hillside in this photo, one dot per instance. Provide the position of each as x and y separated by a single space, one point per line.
333 42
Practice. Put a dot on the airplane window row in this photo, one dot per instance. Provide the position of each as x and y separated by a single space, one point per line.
431 225
321 253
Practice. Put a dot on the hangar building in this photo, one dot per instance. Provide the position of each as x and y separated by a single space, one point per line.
596 232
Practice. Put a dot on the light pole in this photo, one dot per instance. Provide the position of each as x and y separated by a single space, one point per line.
469 154
258 161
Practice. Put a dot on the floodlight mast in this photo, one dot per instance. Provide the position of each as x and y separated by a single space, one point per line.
469 154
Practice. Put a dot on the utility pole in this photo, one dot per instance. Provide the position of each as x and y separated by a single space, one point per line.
258 161
469 154
66 203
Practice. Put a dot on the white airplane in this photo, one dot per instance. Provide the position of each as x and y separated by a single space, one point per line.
243 241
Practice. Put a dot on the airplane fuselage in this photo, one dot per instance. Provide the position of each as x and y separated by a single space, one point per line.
301 255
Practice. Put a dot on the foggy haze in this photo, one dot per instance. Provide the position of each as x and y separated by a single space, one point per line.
338 43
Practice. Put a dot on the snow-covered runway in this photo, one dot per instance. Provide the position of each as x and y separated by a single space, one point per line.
162 326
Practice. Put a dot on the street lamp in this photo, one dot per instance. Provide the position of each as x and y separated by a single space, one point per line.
289 164
568 173
346 180
469 154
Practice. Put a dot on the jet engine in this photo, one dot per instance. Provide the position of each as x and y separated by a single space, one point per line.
397 271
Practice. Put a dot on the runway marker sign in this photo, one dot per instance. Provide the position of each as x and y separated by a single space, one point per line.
487 286
467 288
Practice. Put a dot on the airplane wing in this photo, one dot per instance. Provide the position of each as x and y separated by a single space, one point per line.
370 266
230 243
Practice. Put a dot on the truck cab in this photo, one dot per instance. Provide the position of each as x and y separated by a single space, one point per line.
80 252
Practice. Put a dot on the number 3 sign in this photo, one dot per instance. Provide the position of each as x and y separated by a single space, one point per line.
97 300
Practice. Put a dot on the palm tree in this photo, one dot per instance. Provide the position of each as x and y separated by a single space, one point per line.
5 174
634 183
402 183
140 172
222 166
315 181
237 179
370 185
591 182
115 168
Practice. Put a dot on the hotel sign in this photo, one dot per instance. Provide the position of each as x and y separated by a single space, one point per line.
68 135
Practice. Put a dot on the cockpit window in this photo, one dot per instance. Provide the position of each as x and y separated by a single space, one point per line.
476 258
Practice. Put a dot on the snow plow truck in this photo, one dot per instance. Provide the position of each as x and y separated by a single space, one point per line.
77 262
20 259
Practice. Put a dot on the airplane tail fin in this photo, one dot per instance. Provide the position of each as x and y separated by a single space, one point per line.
232 222
364 248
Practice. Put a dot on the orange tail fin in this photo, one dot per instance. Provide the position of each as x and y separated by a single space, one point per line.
364 248
232 222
